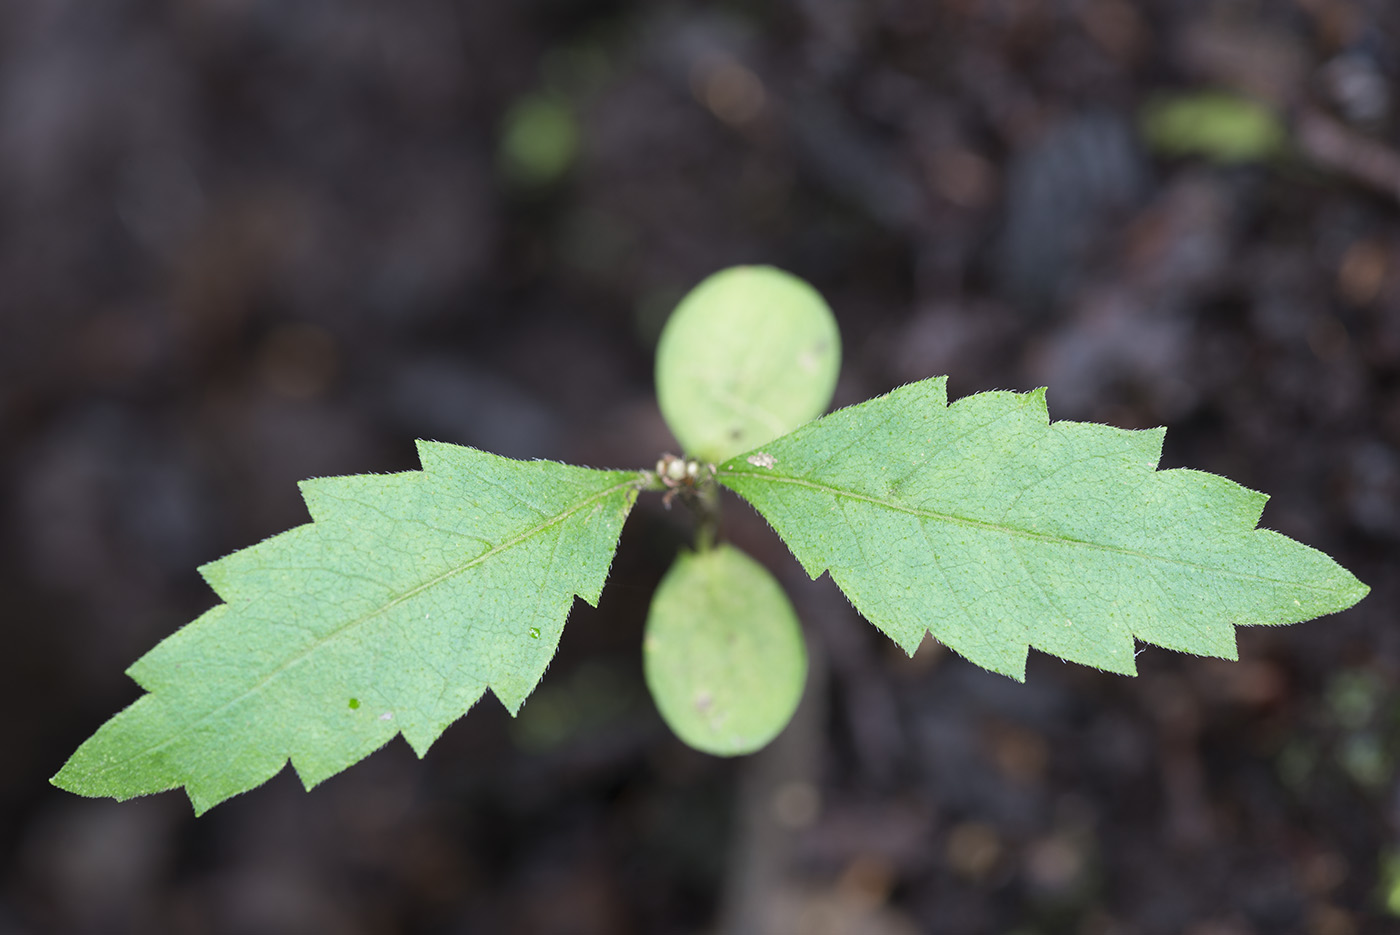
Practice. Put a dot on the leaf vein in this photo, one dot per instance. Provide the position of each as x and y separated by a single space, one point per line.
839 493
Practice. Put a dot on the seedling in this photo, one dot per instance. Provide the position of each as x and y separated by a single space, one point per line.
409 595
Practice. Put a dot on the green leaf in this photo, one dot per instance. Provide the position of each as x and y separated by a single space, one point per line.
1220 126
723 652
406 598
750 353
539 140
997 530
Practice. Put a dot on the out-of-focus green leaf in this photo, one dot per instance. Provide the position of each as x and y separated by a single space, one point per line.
1224 127
1388 883
539 140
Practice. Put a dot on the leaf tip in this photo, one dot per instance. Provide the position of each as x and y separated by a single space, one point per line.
939 387
211 573
317 494
77 775
1036 400
910 642
201 803
420 741
510 699
433 455
63 780
1354 591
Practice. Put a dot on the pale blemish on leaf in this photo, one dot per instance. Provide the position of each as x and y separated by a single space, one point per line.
762 459
813 357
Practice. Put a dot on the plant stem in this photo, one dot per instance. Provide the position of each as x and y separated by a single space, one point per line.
705 503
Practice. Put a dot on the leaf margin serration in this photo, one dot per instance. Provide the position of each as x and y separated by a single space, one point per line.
813 546
89 771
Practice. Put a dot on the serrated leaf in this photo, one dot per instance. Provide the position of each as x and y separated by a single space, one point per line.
749 354
723 652
406 598
997 530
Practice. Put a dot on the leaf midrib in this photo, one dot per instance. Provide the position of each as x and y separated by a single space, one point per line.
1003 529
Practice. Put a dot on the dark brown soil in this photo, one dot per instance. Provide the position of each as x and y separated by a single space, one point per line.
244 242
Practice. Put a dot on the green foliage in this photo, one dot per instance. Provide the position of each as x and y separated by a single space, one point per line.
723 652
998 530
407 598
410 595
750 354
539 140
1223 127
1388 885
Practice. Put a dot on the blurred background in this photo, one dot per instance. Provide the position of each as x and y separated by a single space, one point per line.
244 242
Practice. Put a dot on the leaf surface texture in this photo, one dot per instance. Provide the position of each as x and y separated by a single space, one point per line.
406 598
997 530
